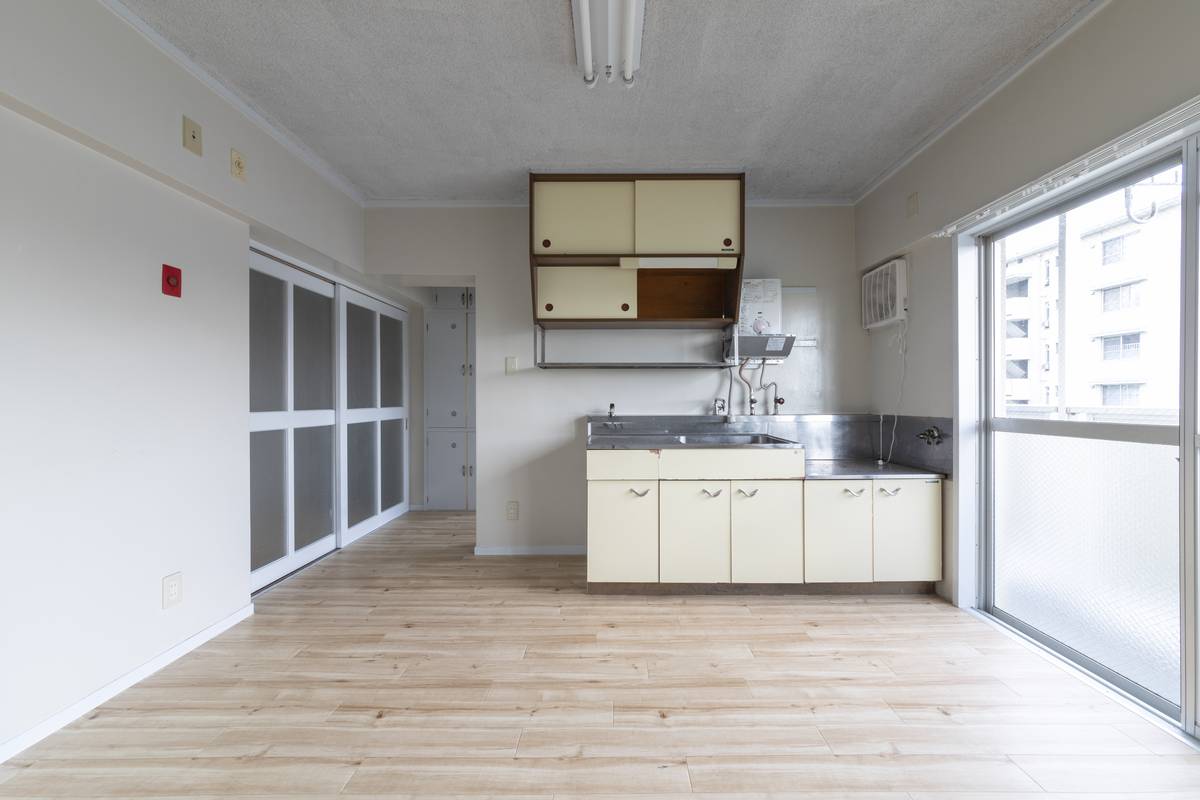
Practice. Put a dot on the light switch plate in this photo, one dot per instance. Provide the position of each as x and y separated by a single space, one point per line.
172 590
237 165
193 136
511 365
512 511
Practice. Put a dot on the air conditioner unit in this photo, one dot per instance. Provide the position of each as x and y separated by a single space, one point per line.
885 294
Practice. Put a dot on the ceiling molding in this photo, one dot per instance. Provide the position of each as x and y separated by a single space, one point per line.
989 90
798 202
284 137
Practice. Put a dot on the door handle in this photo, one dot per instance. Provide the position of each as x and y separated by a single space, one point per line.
717 493
463 369
854 492
471 470
464 470
750 493
642 493
890 494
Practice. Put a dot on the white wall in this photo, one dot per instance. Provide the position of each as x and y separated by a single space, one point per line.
529 424
125 445
76 66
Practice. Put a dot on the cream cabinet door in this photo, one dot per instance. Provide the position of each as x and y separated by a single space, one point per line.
694 532
574 217
586 293
908 530
622 532
767 531
837 531
688 216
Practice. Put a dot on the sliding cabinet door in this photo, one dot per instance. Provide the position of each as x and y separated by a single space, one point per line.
1084 431
292 419
373 397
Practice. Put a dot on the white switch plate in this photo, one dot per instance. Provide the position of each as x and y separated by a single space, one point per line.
512 511
511 365
193 136
172 590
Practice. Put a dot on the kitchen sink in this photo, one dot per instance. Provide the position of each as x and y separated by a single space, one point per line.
655 441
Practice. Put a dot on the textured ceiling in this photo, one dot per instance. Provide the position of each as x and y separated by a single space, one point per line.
455 100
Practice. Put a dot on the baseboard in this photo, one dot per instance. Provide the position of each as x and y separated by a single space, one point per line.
73 712
533 550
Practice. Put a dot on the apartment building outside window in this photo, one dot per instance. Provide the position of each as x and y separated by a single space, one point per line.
1113 250
1121 394
1017 288
1018 329
1125 345
1119 298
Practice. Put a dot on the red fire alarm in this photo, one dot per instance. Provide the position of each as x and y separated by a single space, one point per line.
172 281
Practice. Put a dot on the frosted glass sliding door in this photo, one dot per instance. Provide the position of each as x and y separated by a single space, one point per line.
374 415
1085 375
292 419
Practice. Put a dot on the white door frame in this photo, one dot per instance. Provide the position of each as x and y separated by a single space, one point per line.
348 416
288 420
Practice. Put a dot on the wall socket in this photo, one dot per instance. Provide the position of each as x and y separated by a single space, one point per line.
193 136
912 205
237 165
512 510
172 590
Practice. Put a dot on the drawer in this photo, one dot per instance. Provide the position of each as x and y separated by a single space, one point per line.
622 465
731 464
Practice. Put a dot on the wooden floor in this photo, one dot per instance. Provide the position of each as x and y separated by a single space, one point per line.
406 666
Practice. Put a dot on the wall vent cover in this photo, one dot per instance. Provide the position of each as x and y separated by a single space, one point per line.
885 294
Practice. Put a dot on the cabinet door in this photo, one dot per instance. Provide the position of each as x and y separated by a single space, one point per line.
837 531
446 470
688 217
573 217
767 531
445 369
470 387
451 297
908 530
470 470
586 293
694 532
622 531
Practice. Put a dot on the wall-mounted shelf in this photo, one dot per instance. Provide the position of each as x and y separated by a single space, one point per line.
541 362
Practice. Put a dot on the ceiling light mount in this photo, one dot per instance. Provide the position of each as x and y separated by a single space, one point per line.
608 36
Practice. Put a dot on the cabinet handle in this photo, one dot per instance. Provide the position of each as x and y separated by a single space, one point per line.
890 494
717 493
750 493
854 492
642 493
471 470
463 370
464 470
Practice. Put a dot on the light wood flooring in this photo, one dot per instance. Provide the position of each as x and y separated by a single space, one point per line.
406 666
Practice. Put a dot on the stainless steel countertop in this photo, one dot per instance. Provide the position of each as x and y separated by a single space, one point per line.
847 470
739 441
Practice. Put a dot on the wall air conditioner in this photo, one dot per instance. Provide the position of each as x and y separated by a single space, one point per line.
885 294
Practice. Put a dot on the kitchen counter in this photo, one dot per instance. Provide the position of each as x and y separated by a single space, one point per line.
860 469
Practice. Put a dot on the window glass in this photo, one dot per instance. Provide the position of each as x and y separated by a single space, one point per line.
1107 329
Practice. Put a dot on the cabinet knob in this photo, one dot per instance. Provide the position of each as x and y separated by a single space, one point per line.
642 493
728 243
888 493
854 492
549 306
717 493
545 242
624 306
750 493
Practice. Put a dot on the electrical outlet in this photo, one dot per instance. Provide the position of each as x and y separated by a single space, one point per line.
237 165
172 590
512 511
193 136
511 365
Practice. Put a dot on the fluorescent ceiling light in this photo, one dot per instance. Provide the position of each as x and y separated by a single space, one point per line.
608 38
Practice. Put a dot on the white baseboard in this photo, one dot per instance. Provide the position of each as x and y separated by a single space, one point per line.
73 712
533 550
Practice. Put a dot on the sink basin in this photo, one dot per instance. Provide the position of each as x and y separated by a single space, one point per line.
656 441
732 438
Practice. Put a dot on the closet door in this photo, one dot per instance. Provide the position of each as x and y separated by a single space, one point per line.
445 369
446 478
373 405
292 419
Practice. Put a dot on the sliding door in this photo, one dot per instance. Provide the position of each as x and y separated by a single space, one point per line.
1084 430
373 396
292 419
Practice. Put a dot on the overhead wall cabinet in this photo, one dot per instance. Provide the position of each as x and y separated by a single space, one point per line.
630 251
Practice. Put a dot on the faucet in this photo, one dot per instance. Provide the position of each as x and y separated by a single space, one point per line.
612 410
613 422
719 407
931 435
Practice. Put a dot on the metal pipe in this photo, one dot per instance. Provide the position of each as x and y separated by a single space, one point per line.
585 33
630 15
